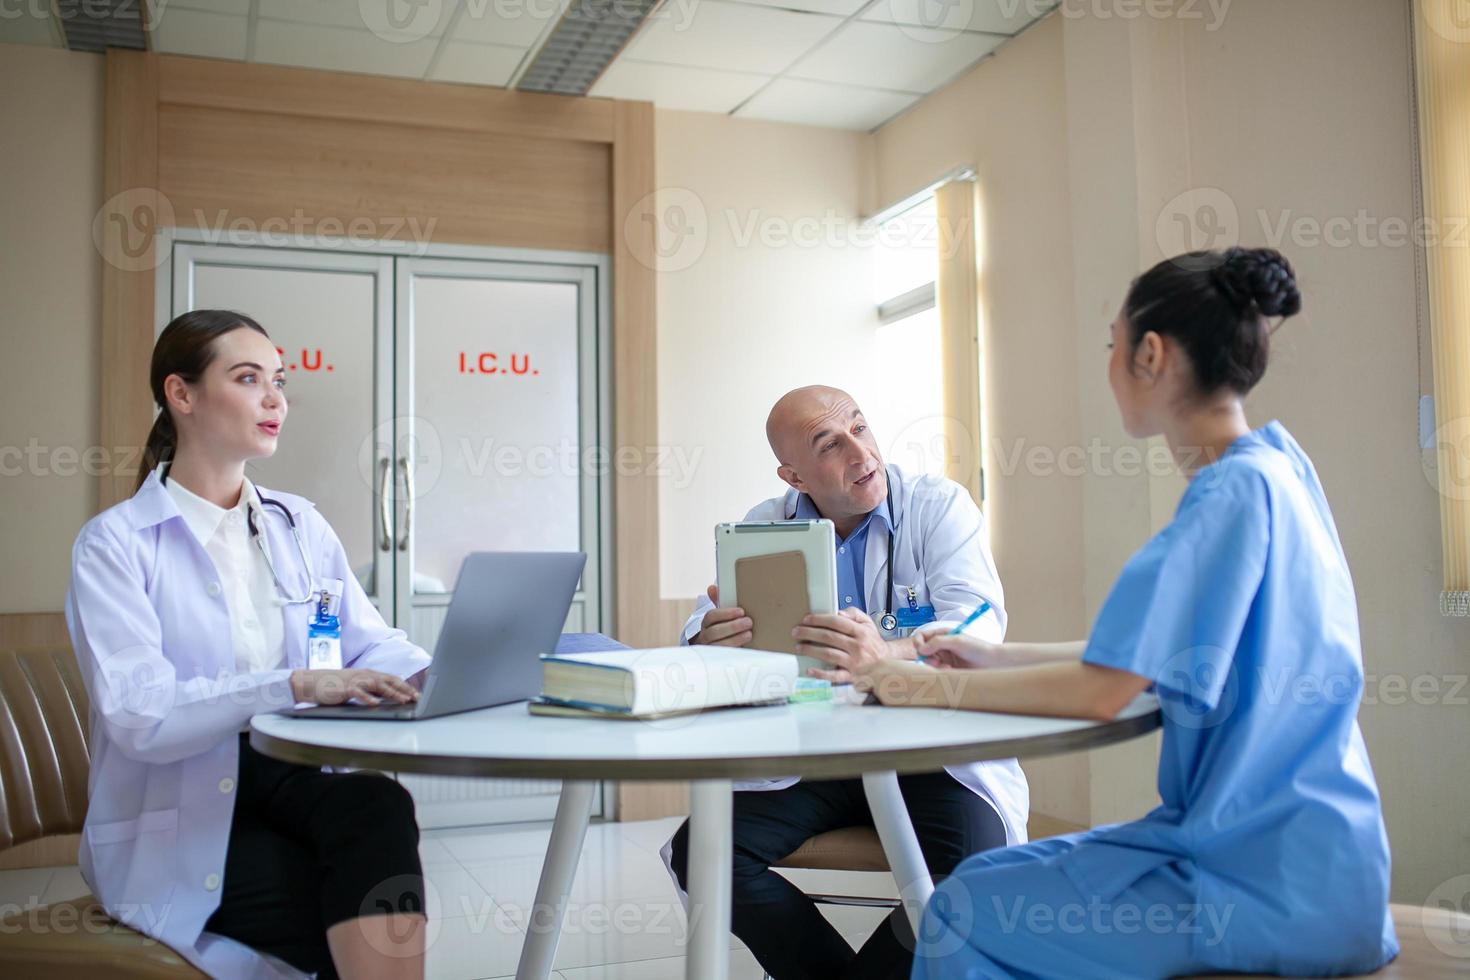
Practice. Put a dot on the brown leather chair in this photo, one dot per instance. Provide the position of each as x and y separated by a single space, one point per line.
1435 942
847 849
43 792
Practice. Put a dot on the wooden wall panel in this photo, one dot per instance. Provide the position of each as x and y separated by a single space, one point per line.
131 218
42 629
219 165
369 98
635 375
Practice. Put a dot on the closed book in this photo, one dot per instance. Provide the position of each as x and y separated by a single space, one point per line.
568 709
668 679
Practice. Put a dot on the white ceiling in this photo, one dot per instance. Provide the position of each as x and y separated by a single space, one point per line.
851 64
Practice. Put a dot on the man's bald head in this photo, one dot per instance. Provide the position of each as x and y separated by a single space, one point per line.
795 411
827 451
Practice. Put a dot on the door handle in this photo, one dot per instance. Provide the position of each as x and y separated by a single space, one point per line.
385 506
408 503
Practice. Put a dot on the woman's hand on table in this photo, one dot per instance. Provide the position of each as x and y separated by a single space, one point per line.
904 683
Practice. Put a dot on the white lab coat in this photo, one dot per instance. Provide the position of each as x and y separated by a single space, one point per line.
942 552
151 631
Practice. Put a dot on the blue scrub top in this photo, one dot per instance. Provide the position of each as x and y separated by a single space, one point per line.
1242 613
851 552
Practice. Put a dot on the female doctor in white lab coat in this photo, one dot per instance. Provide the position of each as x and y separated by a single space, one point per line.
183 627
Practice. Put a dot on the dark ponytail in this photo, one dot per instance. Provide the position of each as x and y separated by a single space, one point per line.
186 348
1216 305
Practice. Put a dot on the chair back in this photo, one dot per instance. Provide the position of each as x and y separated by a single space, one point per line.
44 760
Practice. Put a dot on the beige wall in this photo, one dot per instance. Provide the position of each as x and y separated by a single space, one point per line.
1288 110
50 307
1008 119
771 289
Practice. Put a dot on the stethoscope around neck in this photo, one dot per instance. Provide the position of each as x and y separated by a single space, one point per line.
259 539
285 593
888 621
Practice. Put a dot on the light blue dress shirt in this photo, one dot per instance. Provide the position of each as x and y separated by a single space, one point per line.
851 552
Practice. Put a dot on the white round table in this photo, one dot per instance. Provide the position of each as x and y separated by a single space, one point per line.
827 740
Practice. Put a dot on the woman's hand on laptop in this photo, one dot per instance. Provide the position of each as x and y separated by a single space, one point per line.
341 686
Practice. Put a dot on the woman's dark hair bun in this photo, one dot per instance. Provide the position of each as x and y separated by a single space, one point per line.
1216 305
1259 277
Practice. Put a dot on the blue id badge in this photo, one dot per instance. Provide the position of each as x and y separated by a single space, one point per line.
911 619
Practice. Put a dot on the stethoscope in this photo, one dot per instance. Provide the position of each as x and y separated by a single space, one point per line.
300 549
888 621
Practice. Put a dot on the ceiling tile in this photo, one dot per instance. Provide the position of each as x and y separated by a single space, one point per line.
993 16
893 56
822 104
838 8
477 64
238 7
180 30
518 23
34 26
398 19
677 87
728 36
338 49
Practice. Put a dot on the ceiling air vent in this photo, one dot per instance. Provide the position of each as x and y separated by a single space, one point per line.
584 42
96 25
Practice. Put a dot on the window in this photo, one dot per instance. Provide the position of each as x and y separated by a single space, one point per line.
909 415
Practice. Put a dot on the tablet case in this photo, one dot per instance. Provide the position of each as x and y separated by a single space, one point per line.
772 590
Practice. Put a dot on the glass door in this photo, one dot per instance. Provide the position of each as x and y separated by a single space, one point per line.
497 445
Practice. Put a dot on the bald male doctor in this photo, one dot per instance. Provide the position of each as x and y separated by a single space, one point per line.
942 571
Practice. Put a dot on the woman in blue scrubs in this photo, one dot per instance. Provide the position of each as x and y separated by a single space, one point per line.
1268 853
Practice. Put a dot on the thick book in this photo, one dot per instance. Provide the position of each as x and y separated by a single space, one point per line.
666 680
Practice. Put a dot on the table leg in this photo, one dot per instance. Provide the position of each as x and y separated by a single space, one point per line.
900 844
543 929
711 859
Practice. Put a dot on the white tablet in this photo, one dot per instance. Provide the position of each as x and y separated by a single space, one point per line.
816 540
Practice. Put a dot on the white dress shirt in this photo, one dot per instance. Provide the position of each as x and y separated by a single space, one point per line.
257 629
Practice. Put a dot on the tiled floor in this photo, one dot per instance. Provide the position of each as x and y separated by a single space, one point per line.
623 921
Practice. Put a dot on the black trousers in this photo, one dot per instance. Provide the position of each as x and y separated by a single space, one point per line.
309 849
780 925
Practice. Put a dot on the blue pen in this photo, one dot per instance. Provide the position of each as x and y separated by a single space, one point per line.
980 610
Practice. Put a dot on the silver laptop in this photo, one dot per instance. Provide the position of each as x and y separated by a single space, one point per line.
508 608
